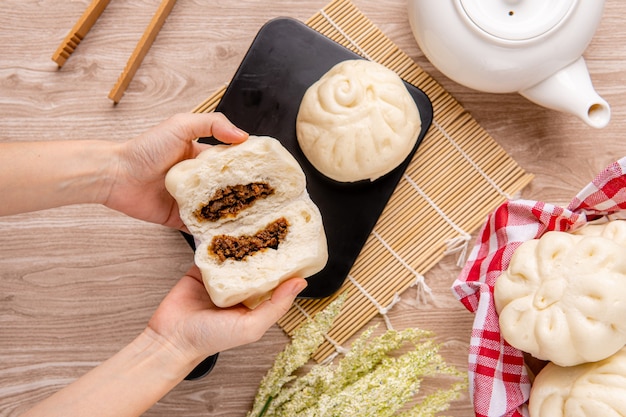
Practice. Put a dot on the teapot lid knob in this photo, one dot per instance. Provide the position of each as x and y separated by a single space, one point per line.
516 20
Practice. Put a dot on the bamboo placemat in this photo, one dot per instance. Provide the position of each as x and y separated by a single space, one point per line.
458 175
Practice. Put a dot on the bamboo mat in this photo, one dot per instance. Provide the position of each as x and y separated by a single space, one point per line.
458 175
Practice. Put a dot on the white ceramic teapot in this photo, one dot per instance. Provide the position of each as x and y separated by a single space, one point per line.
533 47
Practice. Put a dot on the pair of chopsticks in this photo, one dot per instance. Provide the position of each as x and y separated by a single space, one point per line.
87 20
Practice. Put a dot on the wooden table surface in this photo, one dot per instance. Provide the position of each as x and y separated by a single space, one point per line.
78 283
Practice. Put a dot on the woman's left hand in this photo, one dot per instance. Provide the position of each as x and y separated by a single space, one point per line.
138 188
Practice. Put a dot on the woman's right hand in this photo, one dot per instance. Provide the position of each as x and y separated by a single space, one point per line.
188 321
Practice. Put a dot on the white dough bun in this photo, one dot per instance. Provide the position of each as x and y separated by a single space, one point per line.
357 122
259 159
563 298
251 280
614 230
587 390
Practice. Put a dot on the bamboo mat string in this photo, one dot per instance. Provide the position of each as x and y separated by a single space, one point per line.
459 243
382 310
471 162
345 35
423 293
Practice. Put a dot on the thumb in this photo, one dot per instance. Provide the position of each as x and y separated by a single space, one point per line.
282 299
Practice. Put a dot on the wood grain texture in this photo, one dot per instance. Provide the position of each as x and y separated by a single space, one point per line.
141 49
78 283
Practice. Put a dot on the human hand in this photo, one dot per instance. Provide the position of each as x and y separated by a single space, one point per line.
187 319
138 189
185 329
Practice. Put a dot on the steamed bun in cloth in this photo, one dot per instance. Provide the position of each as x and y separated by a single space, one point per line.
588 390
563 298
499 380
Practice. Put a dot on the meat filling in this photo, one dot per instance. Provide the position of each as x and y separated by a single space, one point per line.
238 247
229 201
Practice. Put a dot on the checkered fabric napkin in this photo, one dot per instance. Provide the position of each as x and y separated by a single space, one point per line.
499 383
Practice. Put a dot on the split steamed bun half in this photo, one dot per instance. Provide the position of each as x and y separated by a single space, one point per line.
248 208
563 296
357 122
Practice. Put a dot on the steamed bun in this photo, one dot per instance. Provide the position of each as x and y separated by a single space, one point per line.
614 230
357 122
252 218
588 390
563 298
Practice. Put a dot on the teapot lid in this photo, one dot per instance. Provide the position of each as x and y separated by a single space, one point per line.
516 20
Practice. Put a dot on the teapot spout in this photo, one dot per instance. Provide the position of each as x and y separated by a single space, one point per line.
570 90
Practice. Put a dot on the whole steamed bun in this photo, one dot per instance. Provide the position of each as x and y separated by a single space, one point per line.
614 230
563 298
357 122
587 390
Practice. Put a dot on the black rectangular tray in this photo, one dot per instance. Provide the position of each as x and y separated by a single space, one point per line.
263 98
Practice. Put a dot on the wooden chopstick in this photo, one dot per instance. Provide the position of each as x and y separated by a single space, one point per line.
79 31
141 50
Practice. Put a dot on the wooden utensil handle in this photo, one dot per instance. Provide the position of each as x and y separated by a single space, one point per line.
79 31
141 50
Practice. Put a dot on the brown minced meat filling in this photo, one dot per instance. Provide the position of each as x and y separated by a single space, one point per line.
237 248
229 201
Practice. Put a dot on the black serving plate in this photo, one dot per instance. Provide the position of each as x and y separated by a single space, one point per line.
263 98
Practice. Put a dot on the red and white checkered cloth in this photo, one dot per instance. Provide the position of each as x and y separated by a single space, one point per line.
499 383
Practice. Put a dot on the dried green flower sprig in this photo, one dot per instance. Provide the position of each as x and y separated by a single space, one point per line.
367 381
305 341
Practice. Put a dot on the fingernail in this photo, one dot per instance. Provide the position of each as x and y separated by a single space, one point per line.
298 288
238 132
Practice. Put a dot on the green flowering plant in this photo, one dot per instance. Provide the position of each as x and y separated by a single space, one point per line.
370 380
